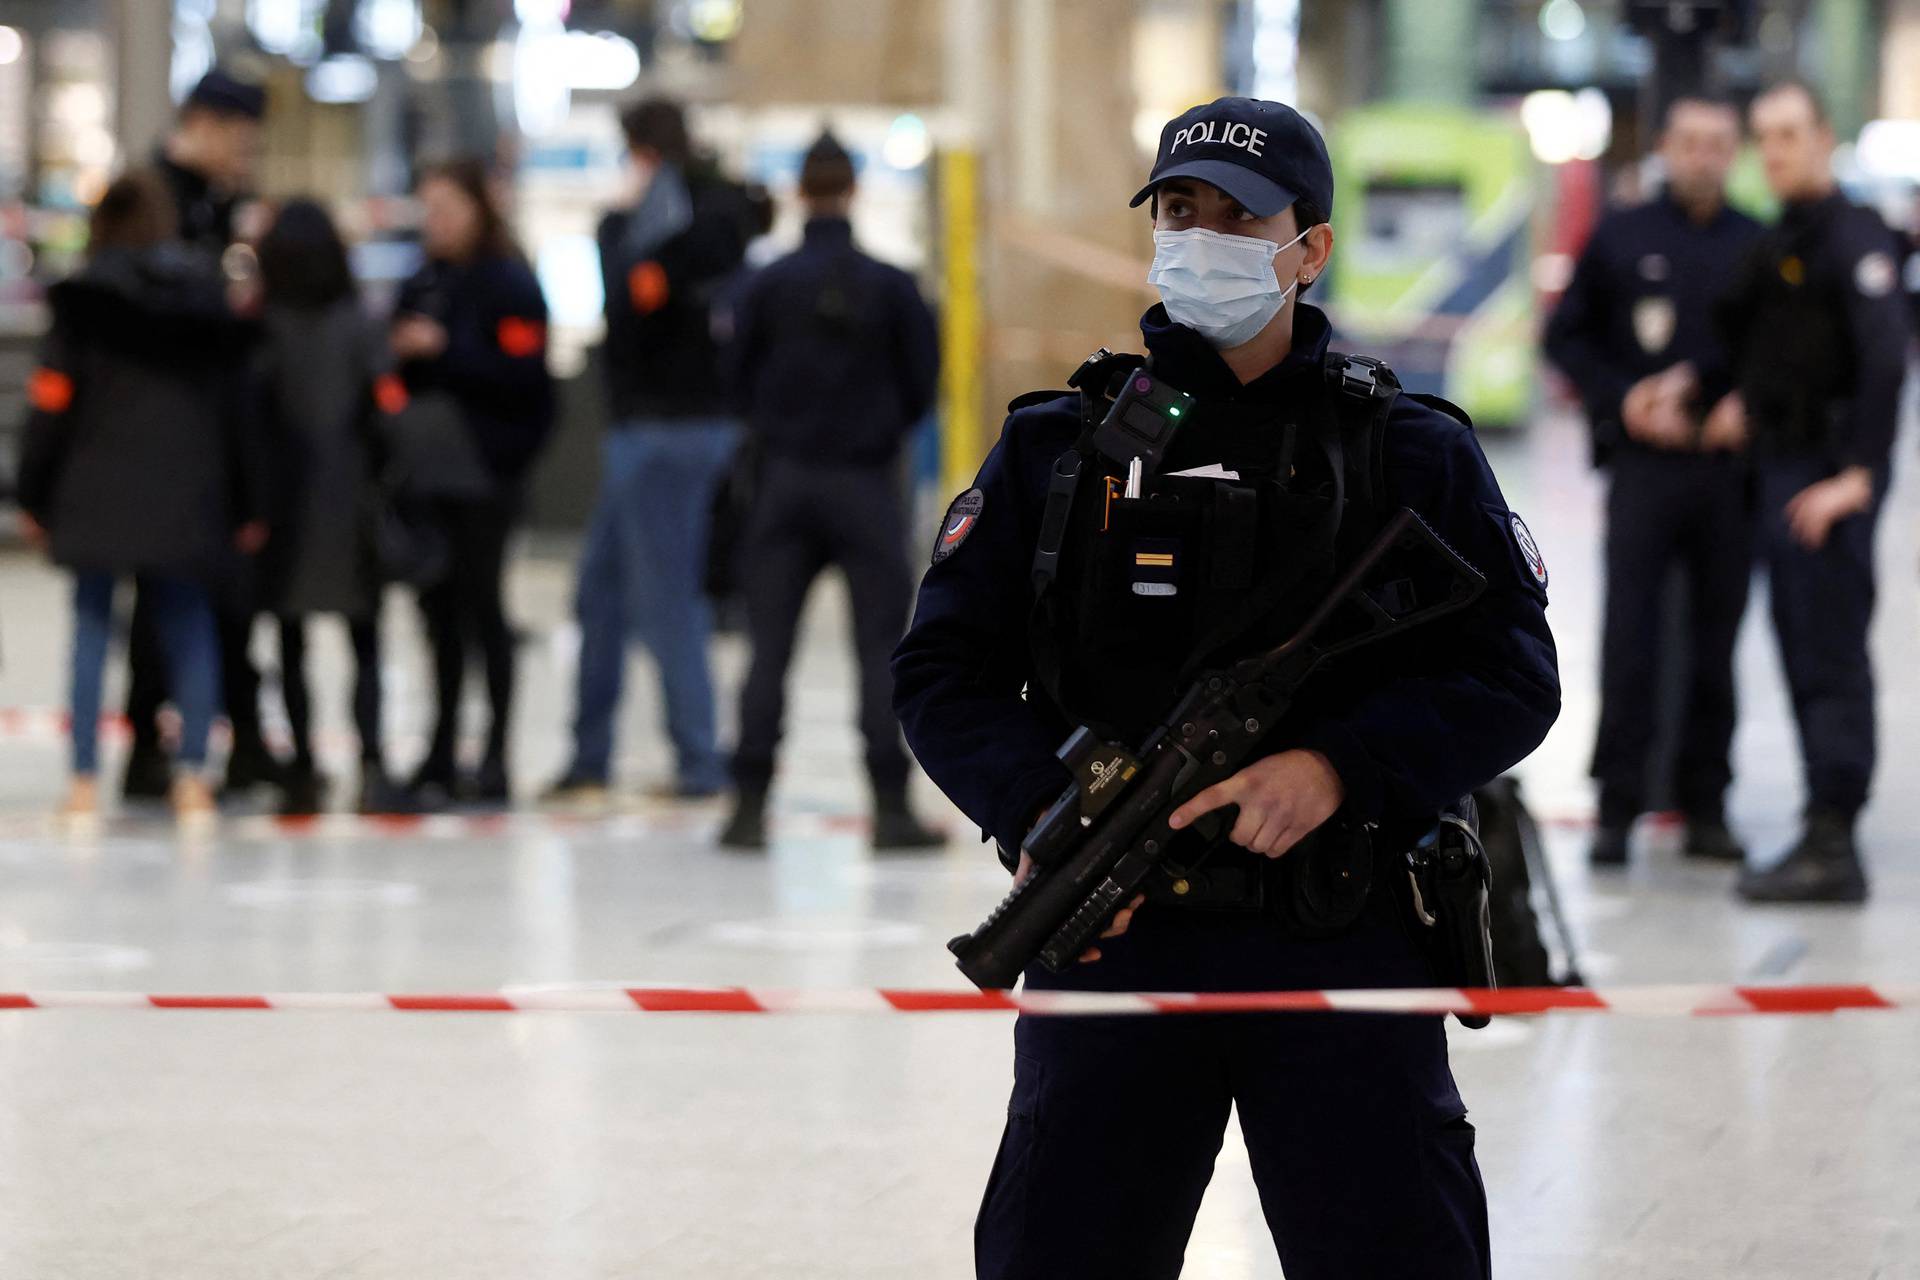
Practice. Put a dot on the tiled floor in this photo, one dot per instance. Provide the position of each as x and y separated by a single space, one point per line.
213 1145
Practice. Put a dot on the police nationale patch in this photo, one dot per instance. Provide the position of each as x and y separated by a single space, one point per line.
1875 275
962 518
1530 551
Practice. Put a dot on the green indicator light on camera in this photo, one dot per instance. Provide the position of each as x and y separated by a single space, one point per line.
1174 410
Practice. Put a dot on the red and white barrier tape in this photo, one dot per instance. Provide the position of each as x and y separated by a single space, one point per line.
1636 1001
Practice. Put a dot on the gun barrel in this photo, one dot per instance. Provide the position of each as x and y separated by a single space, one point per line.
993 956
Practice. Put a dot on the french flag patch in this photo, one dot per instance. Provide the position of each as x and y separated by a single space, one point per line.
961 520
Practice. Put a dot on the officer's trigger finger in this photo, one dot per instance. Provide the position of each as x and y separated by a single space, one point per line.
1214 797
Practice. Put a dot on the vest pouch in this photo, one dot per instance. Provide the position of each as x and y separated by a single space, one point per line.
1319 888
1141 583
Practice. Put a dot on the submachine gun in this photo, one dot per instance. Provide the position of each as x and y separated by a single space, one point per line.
1108 832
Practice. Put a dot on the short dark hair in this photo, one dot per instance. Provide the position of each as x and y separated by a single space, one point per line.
1794 84
827 170
661 125
1305 212
303 260
1701 98
225 96
136 211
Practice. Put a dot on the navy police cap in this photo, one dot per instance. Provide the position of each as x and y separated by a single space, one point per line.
223 92
1263 154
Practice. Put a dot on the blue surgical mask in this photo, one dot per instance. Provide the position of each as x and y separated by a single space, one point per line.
1221 286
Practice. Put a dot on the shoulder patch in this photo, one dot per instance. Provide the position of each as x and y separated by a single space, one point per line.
958 525
1530 552
1875 275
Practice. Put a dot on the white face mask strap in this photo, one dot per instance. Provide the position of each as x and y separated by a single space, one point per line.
1288 245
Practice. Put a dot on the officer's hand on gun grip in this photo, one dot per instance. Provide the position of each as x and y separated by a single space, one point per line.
1812 513
1282 800
1121 919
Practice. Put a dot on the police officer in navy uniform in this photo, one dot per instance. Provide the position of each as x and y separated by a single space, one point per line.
1359 1140
836 358
1635 332
1819 332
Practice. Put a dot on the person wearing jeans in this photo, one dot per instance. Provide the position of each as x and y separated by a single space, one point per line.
665 258
135 465
183 620
640 578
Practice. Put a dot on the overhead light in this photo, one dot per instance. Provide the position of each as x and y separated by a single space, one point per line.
1564 126
426 48
1563 20
714 21
388 28
12 45
1276 50
343 78
1890 148
907 144
282 26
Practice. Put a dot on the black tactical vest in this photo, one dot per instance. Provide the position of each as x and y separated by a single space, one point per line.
1146 592
1799 362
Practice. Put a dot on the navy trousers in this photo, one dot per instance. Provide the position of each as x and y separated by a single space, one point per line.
1359 1142
1694 512
807 517
1822 610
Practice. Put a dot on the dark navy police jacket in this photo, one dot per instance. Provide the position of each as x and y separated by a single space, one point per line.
1414 726
835 354
1641 300
1818 330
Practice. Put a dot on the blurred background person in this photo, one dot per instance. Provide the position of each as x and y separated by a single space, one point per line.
664 259
208 158
207 161
1819 330
134 464
1635 332
313 396
836 358
469 333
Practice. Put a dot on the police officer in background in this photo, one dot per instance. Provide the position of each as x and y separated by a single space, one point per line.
837 359
1818 330
207 161
208 158
1635 332
1357 1134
